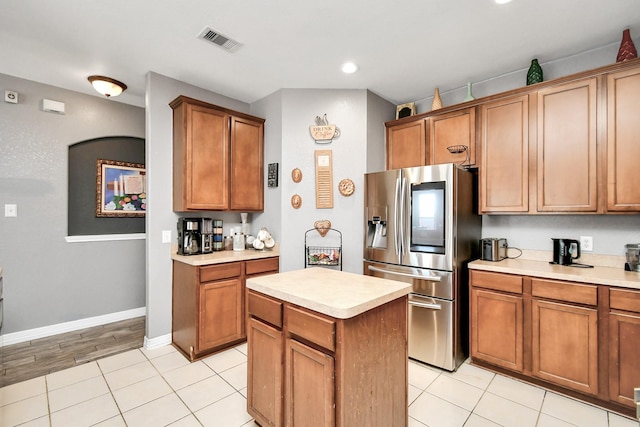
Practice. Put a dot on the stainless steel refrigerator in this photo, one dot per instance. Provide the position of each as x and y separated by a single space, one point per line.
422 227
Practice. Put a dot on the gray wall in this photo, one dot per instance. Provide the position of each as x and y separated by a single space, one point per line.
46 280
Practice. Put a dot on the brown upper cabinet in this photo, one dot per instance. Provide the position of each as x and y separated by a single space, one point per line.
623 147
504 174
426 141
564 146
406 145
217 158
539 151
454 131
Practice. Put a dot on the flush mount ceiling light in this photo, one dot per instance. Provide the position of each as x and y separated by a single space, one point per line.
107 86
349 68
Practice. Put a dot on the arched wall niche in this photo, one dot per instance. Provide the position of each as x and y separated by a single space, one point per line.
83 156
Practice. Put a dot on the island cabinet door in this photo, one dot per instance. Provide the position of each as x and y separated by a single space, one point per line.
264 373
221 313
309 386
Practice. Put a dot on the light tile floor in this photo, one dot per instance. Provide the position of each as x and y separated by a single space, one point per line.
160 388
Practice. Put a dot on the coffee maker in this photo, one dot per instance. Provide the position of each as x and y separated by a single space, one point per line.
189 236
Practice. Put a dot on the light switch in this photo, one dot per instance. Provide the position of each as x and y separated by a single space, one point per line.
166 236
10 210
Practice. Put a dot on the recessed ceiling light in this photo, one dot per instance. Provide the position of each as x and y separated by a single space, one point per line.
502 1
349 68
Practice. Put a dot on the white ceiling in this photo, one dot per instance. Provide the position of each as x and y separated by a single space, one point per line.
404 48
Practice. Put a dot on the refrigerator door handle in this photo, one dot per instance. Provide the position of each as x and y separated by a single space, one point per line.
399 273
403 190
426 305
397 212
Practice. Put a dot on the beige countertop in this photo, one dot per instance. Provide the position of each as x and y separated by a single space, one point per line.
335 293
223 256
607 270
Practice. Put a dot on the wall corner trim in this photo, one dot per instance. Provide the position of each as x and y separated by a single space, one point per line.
104 237
157 342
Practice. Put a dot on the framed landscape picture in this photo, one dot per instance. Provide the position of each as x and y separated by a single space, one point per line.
120 189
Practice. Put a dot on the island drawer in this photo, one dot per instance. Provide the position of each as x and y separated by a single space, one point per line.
220 271
564 291
496 281
265 265
622 299
264 308
314 328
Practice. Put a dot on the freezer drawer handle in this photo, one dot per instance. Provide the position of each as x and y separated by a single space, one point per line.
413 276
426 305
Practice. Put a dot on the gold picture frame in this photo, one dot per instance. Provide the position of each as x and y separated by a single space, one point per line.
405 110
120 189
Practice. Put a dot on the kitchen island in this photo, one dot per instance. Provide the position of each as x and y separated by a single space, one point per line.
327 348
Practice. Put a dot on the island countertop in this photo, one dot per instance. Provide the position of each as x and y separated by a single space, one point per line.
338 294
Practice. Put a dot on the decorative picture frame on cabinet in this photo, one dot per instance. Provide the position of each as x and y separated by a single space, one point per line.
120 189
405 110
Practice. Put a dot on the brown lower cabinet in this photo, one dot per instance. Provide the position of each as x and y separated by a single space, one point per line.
577 338
208 304
306 368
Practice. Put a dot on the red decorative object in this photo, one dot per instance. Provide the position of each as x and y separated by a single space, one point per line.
627 50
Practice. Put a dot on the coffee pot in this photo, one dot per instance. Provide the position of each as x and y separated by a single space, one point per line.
565 251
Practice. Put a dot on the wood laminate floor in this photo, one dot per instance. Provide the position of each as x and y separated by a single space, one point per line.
31 359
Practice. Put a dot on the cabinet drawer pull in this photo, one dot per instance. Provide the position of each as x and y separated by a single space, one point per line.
426 305
398 273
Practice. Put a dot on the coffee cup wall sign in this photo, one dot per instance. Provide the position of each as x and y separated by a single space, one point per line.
323 132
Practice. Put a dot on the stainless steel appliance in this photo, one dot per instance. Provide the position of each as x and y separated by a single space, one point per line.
421 227
493 249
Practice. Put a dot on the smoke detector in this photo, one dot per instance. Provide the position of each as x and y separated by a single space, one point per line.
210 35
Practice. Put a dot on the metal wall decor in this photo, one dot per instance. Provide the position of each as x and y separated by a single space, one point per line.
296 175
346 187
323 132
296 201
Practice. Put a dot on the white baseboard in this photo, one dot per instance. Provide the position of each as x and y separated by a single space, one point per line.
162 340
60 328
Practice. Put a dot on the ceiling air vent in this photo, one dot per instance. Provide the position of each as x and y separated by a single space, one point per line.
218 39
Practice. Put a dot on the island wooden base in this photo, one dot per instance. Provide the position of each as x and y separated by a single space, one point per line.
306 368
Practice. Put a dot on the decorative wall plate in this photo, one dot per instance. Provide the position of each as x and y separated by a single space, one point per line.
296 175
296 201
322 226
346 187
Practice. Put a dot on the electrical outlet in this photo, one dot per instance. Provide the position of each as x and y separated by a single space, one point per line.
586 243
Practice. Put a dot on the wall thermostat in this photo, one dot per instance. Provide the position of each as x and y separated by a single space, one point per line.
272 175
